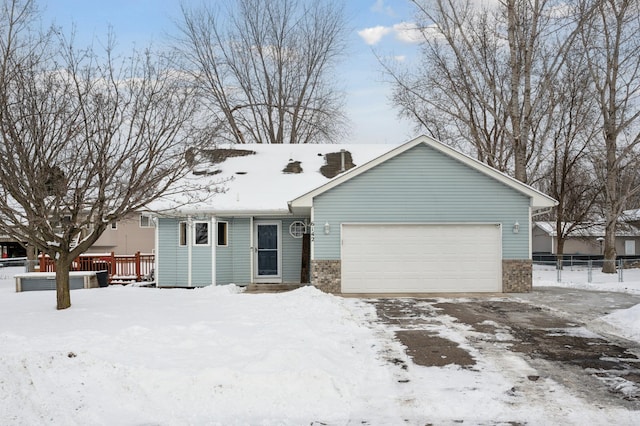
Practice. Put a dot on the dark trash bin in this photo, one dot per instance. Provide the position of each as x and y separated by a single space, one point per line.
103 278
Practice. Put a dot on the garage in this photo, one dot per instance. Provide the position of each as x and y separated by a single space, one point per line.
421 258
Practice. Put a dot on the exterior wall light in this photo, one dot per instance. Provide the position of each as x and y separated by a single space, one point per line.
327 228
516 227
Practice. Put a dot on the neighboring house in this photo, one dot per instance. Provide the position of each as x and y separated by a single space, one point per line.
631 217
10 248
585 239
415 218
134 233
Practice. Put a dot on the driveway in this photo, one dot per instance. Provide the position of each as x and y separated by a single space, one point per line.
554 330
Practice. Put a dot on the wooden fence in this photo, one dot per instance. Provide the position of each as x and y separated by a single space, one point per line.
121 268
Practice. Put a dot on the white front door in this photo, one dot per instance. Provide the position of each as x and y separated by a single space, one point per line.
267 251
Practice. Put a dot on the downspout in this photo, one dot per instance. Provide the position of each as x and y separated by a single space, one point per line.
251 249
532 215
189 254
156 249
312 251
214 244
530 235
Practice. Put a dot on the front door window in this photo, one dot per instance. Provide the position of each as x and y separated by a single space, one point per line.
267 250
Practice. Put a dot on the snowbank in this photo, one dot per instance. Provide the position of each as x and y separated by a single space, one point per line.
217 356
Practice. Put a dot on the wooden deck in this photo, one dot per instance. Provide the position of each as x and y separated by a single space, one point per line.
122 269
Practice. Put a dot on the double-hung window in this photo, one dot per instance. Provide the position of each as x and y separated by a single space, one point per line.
200 233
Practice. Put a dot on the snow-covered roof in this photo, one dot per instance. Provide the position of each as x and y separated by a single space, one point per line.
538 199
588 229
632 215
254 181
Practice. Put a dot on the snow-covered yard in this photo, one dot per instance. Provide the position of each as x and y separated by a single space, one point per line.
132 356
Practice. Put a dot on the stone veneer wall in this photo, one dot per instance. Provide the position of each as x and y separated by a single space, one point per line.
325 275
517 275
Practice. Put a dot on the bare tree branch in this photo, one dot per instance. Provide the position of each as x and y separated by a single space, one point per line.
264 67
85 139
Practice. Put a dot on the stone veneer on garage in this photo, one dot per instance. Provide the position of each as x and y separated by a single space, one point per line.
516 275
325 275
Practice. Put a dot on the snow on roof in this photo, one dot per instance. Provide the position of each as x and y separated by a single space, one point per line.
588 229
257 182
632 215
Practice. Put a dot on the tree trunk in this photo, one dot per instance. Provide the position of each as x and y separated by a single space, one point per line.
609 263
32 257
63 295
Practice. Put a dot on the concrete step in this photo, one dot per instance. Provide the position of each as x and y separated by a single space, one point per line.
272 288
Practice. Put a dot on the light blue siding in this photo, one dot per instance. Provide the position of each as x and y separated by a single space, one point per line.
233 262
426 186
291 253
171 259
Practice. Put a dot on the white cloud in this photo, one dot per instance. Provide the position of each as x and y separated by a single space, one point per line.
400 58
408 32
373 35
379 7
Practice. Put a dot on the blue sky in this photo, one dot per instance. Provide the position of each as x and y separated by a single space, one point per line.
383 25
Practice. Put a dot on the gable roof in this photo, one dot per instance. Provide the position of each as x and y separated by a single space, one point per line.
261 178
538 200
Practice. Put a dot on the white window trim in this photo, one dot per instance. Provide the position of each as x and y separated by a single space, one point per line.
295 224
226 231
149 219
193 233
186 225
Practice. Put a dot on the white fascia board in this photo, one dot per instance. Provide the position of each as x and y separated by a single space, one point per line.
224 213
538 199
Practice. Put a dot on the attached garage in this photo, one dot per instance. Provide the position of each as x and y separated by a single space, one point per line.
421 258
422 218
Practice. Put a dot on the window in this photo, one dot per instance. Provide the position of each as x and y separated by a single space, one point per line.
222 234
297 229
113 225
182 233
201 233
146 221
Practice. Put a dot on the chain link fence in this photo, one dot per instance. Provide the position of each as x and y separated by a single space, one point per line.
573 268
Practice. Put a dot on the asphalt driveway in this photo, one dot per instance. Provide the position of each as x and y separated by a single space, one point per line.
555 330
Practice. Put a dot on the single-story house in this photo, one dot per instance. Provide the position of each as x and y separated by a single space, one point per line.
415 218
585 239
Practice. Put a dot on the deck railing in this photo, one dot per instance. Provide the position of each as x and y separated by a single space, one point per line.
121 268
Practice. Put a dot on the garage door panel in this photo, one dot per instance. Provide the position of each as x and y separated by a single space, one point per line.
420 258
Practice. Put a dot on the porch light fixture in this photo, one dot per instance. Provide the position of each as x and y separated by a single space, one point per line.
516 227
327 228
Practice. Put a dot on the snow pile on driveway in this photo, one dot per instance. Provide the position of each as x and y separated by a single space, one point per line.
216 356
626 322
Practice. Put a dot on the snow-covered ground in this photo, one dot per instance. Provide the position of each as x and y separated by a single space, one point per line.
134 356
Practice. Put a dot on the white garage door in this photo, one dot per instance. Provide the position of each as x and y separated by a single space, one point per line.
399 258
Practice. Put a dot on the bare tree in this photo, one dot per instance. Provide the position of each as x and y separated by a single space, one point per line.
265 68
610 40
85 140
568 173
486 77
